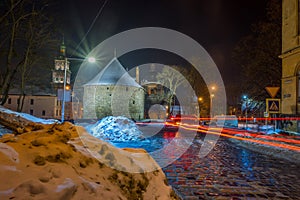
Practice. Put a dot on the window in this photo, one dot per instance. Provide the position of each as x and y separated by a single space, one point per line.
9 101
31 101
31 112
133 102
43 113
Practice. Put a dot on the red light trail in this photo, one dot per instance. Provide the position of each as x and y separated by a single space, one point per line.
232 133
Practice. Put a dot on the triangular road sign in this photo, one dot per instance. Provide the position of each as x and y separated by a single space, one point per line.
272 91
273 106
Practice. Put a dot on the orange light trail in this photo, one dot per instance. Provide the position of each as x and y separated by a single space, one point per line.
231 133
213 131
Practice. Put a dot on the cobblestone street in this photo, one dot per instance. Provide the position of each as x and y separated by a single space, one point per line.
233 172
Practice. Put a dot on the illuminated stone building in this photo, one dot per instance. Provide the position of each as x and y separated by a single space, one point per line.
290 58
113 92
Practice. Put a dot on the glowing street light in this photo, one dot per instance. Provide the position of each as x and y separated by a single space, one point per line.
213 88
90 60
245 97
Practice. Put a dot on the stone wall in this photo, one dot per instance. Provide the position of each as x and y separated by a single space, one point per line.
101 101
290 57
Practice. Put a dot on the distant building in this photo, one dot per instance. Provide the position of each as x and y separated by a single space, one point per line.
155 94
113 92
49 104
42 105
290 58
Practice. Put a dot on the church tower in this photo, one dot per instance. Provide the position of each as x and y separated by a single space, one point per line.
61 68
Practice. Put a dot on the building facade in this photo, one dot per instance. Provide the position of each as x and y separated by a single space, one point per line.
42 106
290 57
113 92
290 85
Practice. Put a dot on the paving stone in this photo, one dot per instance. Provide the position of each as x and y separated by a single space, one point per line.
228 172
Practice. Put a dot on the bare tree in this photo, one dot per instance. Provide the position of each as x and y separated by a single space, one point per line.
171 78
258 53
38 36
25 30
11 26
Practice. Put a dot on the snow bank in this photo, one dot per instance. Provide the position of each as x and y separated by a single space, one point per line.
27 116
116 129
271 143
52 163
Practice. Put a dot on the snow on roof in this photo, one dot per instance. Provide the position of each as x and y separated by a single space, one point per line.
113 74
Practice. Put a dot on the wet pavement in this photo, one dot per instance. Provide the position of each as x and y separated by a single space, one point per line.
233 172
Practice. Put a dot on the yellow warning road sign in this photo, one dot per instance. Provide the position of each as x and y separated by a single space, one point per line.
272 91
273 105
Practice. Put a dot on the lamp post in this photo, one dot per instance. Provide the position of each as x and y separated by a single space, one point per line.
246 109
200 100
213 88
90 60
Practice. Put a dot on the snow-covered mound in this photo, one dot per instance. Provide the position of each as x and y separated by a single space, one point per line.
52 163
27 116
116 129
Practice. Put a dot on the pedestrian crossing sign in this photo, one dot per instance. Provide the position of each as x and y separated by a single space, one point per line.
273 105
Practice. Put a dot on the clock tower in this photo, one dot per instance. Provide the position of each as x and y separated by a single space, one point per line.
61 68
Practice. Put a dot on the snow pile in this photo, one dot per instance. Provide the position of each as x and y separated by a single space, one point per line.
116 129
52 163
4 130
270 143
27 116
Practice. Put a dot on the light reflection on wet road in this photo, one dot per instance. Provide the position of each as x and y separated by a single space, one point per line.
232 172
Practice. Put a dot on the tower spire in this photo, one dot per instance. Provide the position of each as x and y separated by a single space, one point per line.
63 48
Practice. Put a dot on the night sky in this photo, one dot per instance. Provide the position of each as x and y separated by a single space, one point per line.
217 25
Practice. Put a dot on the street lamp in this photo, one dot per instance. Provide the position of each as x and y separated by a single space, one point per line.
200 101
90 60
246 109
213 88
211 102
